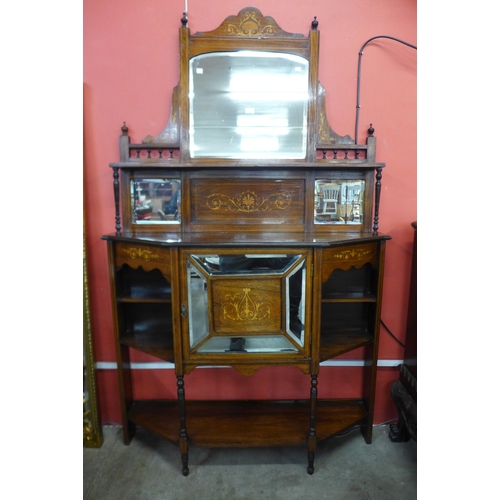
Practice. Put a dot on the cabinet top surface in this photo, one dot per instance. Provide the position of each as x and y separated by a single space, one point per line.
247 239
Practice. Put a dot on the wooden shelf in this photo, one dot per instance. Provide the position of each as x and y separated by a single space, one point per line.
339 342
136 285
148 300
153 342
247 423
146 294
349 297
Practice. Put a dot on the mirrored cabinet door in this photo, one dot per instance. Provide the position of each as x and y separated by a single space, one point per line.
242 303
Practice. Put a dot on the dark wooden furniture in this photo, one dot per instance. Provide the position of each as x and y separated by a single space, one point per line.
404 390
264 254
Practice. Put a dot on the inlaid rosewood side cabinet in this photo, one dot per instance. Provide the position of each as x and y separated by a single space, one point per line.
247 236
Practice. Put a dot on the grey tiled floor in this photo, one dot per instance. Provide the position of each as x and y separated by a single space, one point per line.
346 468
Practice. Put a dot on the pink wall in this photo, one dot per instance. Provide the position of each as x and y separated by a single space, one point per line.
131 64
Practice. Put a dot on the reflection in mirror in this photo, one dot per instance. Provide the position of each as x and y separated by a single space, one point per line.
338 201
156 201
245 263
248 104
198 306
247 293
248 344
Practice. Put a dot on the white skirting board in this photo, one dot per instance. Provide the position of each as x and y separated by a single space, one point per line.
111 365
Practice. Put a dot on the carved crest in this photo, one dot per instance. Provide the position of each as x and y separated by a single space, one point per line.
250 23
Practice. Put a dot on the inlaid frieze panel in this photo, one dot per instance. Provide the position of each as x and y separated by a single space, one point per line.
346 257
241 201
146 256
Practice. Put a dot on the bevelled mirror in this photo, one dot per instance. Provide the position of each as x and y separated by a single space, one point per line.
248 104
235 303
155 201
339 202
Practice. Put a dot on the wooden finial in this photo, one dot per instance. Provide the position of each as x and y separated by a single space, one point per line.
184 19
371 130
314 24
124 129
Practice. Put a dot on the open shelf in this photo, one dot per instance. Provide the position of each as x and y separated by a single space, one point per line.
147 327
345 326
336 343
352 285
145 299
158 344
247 423
349 297
137 285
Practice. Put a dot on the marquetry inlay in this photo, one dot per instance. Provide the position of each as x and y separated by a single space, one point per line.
245 307
140 253
249 201
250 26
353 254
323 128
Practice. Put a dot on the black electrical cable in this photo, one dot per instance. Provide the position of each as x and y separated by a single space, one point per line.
392 335
359 74
357 120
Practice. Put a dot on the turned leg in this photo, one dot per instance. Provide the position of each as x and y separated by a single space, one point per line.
183 440
311 441
126 393
116 190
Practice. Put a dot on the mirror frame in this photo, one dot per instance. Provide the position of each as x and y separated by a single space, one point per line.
249 30
126 193
154 214
92 431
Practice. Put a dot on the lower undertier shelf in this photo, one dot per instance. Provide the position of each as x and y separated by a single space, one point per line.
215 424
